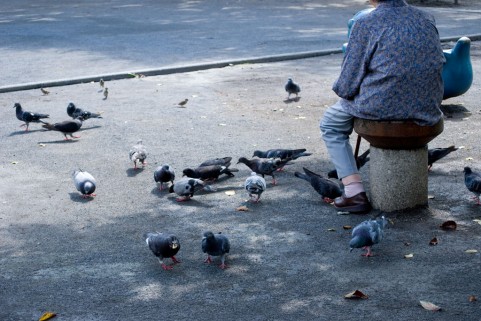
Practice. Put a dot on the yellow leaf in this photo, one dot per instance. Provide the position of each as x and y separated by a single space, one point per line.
429 306
47 316
347 227
230 193
242 209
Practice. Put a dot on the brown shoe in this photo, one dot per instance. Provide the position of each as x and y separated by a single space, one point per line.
356 204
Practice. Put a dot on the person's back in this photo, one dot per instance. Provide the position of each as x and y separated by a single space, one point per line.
393 64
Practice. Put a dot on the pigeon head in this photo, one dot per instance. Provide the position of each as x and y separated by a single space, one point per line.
208 235
467 170
173 242
88 188
243 160
17 105
257 153
189 172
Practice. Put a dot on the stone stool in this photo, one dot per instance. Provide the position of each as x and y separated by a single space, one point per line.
398 163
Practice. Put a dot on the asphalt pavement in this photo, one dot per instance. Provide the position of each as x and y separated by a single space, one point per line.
86 259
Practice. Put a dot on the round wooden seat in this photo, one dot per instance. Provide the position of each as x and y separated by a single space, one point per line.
396 134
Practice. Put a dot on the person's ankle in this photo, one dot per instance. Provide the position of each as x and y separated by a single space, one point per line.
353 189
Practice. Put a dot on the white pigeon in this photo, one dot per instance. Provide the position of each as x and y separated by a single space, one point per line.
255 185
138 153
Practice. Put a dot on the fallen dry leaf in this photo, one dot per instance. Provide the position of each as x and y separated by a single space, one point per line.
14 162
449 226
409 256
355 295
41 145
477 221
430 197
434 241
242 208
472 298
471 251
331 229
230 193
407 243
469 158
47 316
429 306
347 227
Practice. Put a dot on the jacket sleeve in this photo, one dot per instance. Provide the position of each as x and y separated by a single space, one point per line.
355 64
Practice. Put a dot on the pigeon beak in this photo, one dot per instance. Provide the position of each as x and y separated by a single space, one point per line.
174 245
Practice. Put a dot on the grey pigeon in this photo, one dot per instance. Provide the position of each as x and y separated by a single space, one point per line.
255 185
209 173
67 127
215 245
361 160
328 189
285 155
74 112
163 246
472 180
164 174
281 153
368 233
186 187
436 154
224 161
27 117
84 182
138 154
292 88
263 166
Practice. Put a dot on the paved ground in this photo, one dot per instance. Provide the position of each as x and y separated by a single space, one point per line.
86 260
44 41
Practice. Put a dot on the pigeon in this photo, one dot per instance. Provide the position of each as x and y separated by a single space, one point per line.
255 185
106 93
292 88
84 182
263 166
27 117
283 154
44 91
209 173
163 246
368 233
215 245
361 160
436 154
138 153
164 174
183 102
224 161
328 189
472 180
75 112
67 127
185 188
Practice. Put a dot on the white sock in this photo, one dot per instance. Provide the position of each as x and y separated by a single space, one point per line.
353 189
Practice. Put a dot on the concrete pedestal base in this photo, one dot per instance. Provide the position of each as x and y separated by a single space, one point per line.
398 178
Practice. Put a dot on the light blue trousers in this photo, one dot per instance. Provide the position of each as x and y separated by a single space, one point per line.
336 126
